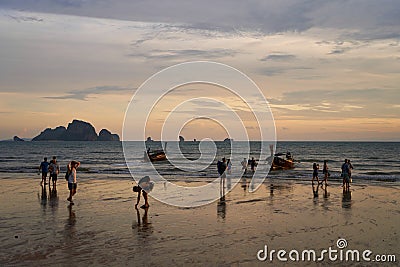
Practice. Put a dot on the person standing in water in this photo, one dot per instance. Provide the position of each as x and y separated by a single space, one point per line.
350 169
325 171
72 182
44 168
221 168
315 172
54 169
345 174
253 164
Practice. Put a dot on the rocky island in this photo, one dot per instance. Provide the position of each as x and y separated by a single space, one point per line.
77 130
17 139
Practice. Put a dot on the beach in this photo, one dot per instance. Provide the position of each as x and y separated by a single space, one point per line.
39 227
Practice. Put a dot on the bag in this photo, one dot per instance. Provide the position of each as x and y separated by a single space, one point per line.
67 174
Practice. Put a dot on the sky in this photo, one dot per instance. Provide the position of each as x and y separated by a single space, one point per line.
329 69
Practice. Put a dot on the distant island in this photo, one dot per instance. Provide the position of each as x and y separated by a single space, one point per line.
17 139
76 131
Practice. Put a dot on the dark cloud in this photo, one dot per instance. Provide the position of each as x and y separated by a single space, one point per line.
25 18
278 57
365 18
85 93
337 51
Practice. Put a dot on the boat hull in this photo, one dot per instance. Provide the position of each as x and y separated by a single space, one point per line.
157 156
282 164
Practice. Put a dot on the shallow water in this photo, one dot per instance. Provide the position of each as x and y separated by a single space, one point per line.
372 161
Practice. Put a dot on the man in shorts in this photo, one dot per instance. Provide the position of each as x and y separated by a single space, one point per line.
44 168
54 169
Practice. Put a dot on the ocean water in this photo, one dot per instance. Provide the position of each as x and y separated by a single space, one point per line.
373 161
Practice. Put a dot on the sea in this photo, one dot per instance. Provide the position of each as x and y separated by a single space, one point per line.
373 162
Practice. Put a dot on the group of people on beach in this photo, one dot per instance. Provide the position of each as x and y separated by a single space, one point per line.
224 166
53 169
251 162
346 169
144 186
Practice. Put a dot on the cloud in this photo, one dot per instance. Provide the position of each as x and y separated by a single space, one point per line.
85 93
356 103
171 54
273 71
21 18
366 19
278 57
337 52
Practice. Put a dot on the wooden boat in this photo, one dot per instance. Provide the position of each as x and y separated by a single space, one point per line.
281 163
155 155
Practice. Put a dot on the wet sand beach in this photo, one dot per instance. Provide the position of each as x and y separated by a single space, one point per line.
38 227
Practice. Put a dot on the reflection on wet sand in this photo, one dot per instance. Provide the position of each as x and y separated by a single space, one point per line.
346 199
327 202
143 231
271 190
53 199
315 191
279 188
326 194
70 233
244 185
50 198
70 223
221 208
43 197
143 225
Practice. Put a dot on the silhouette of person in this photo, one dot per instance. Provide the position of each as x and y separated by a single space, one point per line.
144 186
315 173
325 171
221 168
44 168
